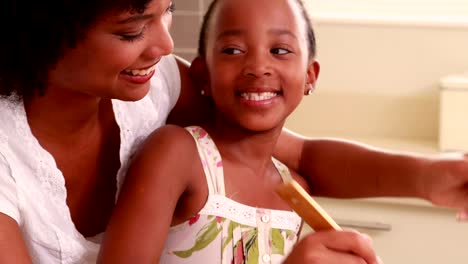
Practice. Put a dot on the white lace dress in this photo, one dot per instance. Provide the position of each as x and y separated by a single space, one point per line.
225 231
32 188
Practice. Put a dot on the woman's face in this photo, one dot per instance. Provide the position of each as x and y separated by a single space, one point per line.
117 57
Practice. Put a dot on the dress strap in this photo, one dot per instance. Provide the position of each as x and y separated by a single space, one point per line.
283 170
210 158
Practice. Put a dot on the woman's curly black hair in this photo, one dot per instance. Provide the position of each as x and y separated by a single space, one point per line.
209 13
35 35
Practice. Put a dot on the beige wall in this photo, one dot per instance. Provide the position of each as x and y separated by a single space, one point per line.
186 26
380 80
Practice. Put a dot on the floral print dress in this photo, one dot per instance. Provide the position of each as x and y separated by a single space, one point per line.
228 232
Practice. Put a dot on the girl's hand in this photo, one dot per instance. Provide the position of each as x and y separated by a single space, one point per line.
445 182
334 247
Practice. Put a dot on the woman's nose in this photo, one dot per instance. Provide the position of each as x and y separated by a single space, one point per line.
160 41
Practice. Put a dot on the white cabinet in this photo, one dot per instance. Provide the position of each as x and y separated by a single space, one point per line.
420 234
453 129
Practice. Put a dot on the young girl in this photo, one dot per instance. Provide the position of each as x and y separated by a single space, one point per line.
211 190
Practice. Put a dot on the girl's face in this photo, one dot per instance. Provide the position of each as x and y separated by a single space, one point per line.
117 57
258 61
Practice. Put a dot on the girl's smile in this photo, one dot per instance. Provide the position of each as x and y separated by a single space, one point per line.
259 96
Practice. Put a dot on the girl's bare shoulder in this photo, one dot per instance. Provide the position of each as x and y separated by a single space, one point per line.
170 139
169 150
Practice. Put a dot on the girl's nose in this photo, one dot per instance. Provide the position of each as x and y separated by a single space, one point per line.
257 65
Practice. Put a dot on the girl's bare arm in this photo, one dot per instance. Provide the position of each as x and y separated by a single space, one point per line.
156 179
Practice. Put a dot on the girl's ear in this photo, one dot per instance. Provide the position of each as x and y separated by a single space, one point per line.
313 71
199 75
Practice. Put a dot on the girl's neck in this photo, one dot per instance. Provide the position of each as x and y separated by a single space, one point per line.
252 149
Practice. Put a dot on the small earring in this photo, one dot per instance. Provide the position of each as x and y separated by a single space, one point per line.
202 92
309 90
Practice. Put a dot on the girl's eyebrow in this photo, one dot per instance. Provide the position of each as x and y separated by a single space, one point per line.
227 33
237 32
135 18
282 32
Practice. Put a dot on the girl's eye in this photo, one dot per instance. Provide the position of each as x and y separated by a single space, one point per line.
280 51
232 51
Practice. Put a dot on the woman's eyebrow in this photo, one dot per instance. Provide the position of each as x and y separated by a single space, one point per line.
135 18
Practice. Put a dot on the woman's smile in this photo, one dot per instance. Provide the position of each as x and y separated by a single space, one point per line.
139 76
141 72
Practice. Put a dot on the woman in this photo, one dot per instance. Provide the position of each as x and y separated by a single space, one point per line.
85 81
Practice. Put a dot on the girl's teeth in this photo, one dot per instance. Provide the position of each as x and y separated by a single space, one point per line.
258 96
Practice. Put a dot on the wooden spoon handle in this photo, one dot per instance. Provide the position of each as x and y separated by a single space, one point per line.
306 207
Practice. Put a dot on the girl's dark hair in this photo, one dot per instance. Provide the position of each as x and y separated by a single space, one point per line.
35 35
209 14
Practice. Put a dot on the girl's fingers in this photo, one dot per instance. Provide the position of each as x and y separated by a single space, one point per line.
355 246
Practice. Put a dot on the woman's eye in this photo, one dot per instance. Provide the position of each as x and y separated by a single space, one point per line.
280 51
232 51
133 36
171 8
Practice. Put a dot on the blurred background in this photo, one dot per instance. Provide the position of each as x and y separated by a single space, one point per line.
395 75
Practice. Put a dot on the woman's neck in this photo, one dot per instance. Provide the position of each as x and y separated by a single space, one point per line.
59 117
